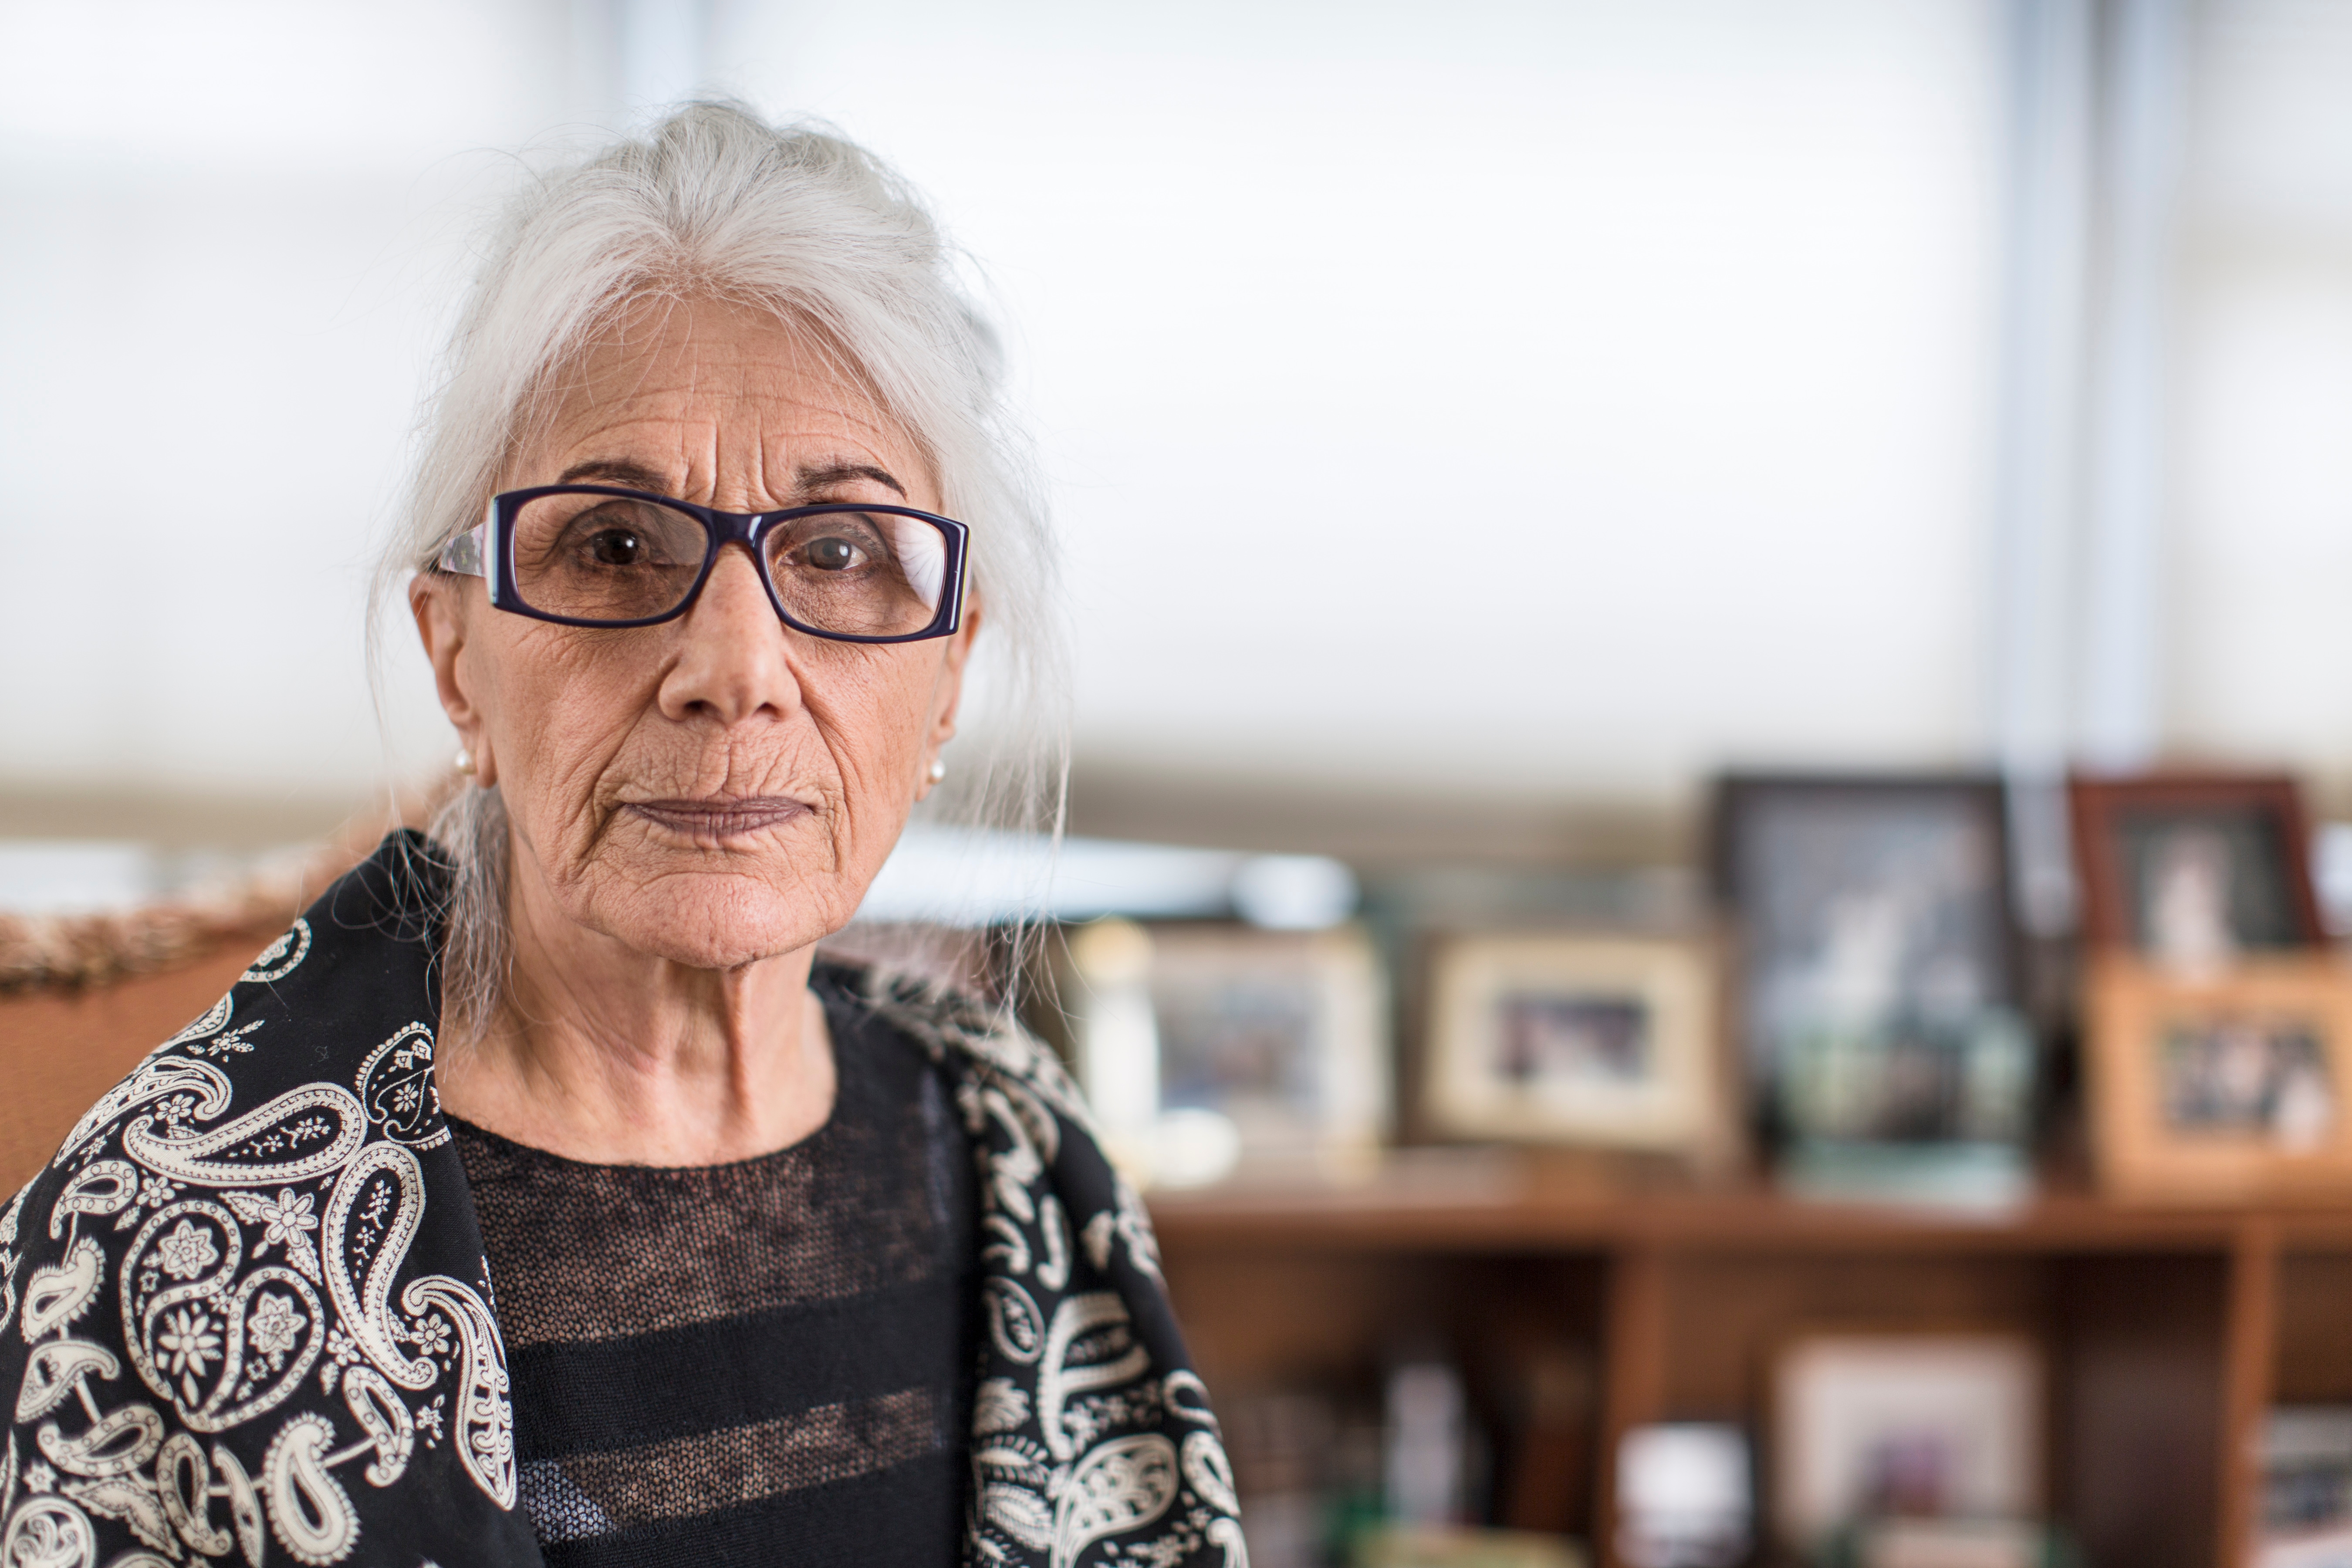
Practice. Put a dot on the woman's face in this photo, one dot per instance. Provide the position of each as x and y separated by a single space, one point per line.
720 788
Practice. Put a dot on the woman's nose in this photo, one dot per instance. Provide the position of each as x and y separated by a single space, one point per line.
735 662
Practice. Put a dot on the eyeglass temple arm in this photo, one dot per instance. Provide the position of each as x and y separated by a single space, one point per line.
469 554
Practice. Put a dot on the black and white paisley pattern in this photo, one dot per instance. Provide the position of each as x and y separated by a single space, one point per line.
245 1310
1092 1440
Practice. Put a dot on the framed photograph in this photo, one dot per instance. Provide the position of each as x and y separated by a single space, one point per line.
1210 1049
1877 992
2194 869
1285 1032
2224 1089
1918 1427
1561 1038
2308 1473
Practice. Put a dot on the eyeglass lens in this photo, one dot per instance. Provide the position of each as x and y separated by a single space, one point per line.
612 558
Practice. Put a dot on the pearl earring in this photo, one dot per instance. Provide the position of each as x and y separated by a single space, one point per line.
465 760
938 770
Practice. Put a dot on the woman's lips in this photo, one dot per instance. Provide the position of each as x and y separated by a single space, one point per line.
719 818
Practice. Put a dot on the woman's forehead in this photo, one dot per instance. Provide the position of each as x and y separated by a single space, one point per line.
714 393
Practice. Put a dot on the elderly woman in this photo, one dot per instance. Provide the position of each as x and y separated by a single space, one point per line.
540 1196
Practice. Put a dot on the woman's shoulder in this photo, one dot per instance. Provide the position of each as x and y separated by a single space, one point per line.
209 1263
979 1043
307 1017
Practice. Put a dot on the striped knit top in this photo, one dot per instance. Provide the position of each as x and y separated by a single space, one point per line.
758 1363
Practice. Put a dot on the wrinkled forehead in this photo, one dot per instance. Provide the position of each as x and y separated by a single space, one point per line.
726 398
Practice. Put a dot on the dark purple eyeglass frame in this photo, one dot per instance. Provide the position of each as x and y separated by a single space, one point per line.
466 554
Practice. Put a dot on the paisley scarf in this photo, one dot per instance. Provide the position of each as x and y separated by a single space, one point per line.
245 1309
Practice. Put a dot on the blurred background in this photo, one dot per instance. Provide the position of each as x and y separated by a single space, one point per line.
1547 1135
1653 387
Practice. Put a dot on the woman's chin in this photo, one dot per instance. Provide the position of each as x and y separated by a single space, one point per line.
718 920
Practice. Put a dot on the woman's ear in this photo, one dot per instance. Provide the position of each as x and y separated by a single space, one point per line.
441 626
952 674
947 691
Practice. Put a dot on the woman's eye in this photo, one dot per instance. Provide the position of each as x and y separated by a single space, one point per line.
830 555
616 547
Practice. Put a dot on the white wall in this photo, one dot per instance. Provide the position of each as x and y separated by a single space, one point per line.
1566 397
230 235
2262 586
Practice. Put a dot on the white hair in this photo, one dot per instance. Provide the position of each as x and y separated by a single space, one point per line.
715 203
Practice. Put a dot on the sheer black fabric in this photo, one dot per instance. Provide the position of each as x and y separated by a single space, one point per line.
769 1361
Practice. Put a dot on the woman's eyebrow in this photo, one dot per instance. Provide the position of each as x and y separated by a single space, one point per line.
837 473
616 471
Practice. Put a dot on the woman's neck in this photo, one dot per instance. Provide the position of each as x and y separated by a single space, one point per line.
603 1054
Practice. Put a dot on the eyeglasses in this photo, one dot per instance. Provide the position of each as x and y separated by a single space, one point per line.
598 556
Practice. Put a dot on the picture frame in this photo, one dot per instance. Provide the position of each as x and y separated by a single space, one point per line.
1877 990
1211 1049
2306 1468
2229 1087
1918 1424
2194 868
1605 1041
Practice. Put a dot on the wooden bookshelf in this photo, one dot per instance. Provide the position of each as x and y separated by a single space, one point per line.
2169 1330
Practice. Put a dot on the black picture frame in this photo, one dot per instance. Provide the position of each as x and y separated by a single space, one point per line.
1918 863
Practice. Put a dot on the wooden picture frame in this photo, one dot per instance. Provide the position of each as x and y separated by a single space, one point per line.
2229 1088
2127 830
1210 1049
1933 1422
1604 1041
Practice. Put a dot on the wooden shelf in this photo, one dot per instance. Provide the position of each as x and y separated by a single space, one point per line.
1391 1217
2170 1330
